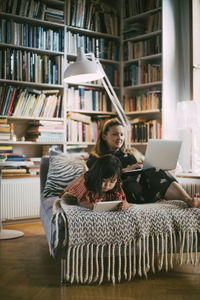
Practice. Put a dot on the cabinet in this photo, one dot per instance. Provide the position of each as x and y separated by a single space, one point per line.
142 68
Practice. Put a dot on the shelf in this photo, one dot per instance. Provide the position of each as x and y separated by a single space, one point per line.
143 112
142 15
143 85
143 36
30 143
37 50
31 20
32 118
92 33
144 58
92 112
32 84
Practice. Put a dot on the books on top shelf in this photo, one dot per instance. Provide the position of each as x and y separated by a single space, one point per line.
33 9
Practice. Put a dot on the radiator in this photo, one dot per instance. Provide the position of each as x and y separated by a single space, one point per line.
191 188
20 198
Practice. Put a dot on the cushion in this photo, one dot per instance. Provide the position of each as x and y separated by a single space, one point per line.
62 170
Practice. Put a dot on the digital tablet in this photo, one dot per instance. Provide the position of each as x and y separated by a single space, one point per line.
107 205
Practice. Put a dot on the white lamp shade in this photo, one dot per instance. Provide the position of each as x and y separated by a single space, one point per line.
82 70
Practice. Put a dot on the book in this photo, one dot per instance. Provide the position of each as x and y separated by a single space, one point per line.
79 117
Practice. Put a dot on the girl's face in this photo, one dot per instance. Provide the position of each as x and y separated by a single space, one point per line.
109 183
114 137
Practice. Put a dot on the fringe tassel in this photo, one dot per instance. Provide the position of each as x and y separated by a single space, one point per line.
119 262
125 261
130 260
144 257
102 264
134 258
113 263
97 264
109 257
87 263
139 257
153 255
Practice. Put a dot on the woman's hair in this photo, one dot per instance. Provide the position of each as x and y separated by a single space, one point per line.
101 146
105 167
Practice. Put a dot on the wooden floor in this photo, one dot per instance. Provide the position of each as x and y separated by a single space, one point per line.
28 272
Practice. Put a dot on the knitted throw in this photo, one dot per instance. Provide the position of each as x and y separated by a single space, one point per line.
120 244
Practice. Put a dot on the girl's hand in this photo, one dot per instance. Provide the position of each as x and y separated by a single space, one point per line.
125 205
132 167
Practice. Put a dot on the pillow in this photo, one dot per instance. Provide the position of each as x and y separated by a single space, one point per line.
62 170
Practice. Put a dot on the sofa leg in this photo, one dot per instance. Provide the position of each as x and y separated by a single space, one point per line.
63 271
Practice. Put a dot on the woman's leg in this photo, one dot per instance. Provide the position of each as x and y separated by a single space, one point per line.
176 192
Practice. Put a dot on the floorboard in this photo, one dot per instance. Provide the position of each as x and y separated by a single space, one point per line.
27 272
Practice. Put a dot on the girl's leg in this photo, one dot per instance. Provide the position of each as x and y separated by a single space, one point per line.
176 192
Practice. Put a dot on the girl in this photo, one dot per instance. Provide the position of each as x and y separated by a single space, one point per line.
101 183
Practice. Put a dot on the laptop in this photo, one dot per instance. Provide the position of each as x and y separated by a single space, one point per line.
160 154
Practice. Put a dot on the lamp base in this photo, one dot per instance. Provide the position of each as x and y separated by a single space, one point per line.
6 234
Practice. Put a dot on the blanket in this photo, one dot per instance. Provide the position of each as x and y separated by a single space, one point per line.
120 244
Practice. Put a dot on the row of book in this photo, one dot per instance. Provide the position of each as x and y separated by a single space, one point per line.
88 99
133 50
16 101
152 24
32 9
81 132
28 35
45 131
136 7
29 66
101 47
93 15
147 101
143 130
135 74
5 130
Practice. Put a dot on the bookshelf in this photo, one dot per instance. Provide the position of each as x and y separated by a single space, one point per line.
96 29
32 47
142 68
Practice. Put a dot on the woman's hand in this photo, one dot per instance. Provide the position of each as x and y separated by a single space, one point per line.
132 167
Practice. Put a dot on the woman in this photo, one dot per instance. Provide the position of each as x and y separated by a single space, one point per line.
101 183
147 186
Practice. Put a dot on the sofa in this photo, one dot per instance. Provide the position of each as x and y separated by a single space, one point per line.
117 245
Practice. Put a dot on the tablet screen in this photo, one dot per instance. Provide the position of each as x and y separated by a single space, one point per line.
106 205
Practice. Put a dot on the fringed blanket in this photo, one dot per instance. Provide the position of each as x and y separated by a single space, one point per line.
120 244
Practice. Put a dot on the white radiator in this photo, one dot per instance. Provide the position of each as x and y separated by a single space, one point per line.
20 198
191 188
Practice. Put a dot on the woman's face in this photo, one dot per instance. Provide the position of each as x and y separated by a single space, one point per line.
114 137
109 183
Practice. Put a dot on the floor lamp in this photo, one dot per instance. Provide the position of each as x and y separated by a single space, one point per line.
188 113
87 68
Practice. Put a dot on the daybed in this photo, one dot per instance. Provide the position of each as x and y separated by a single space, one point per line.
116 245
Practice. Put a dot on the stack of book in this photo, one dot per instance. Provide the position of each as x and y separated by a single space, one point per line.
45 131
4 130
10 171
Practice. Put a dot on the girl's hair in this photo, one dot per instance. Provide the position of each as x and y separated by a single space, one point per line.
101 146
106 166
